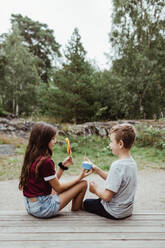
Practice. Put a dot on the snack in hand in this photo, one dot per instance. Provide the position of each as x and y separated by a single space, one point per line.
68 146
86 165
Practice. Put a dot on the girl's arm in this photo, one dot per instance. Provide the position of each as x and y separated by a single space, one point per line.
59 173
105 194
60 187
68 161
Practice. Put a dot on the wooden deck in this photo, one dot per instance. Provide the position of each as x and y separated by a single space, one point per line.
81 230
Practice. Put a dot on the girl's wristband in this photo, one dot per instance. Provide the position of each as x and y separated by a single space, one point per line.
62 166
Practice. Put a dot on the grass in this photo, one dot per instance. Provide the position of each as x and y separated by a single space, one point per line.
10 166
94 147
149 157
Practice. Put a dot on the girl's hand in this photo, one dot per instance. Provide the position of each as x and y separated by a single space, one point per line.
68 161
92 187
85 173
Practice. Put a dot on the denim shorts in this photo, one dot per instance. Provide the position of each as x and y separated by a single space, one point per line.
44 207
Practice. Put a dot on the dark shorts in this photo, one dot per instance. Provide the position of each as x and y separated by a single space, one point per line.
95 206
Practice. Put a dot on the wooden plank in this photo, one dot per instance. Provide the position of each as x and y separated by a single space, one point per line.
16 212
77 213
64 221
76 216
85 229
20 215
82 244
80 236
83 217
23 212
81 229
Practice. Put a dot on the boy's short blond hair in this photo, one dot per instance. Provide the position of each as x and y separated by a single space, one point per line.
124 132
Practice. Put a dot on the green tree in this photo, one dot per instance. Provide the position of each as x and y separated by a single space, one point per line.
110 96
18 88
3 63
75 94
138 38
41 42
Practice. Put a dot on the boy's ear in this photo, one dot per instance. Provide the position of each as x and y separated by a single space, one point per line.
121 144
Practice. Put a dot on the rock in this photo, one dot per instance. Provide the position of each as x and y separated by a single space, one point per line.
90 128
22 128
102 132
18 127
10 128
6 149
3 127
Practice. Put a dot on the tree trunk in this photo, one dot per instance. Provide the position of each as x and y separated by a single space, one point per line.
17 109
13 106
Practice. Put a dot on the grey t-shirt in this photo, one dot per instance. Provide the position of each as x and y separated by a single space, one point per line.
121 179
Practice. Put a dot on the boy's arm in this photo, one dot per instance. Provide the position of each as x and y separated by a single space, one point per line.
105 194
96 169
100 172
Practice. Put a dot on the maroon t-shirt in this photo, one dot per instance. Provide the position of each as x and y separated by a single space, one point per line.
39 186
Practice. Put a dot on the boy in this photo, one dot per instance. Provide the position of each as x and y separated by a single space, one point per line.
116 200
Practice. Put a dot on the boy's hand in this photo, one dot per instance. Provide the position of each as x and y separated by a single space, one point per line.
92 187
87 159
68 161
93 166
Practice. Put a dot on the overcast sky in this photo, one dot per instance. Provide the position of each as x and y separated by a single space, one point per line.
92 17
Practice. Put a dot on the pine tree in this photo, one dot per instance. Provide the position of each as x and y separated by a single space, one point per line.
75 95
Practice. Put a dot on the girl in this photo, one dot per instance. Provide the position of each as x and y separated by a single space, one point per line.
38 176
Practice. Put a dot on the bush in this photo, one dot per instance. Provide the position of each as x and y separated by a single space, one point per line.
150 136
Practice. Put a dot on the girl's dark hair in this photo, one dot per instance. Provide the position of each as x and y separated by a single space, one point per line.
40 136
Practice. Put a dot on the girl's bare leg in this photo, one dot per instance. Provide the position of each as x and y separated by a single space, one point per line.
53 192
76 194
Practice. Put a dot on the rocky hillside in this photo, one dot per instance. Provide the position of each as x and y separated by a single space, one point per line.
22 127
